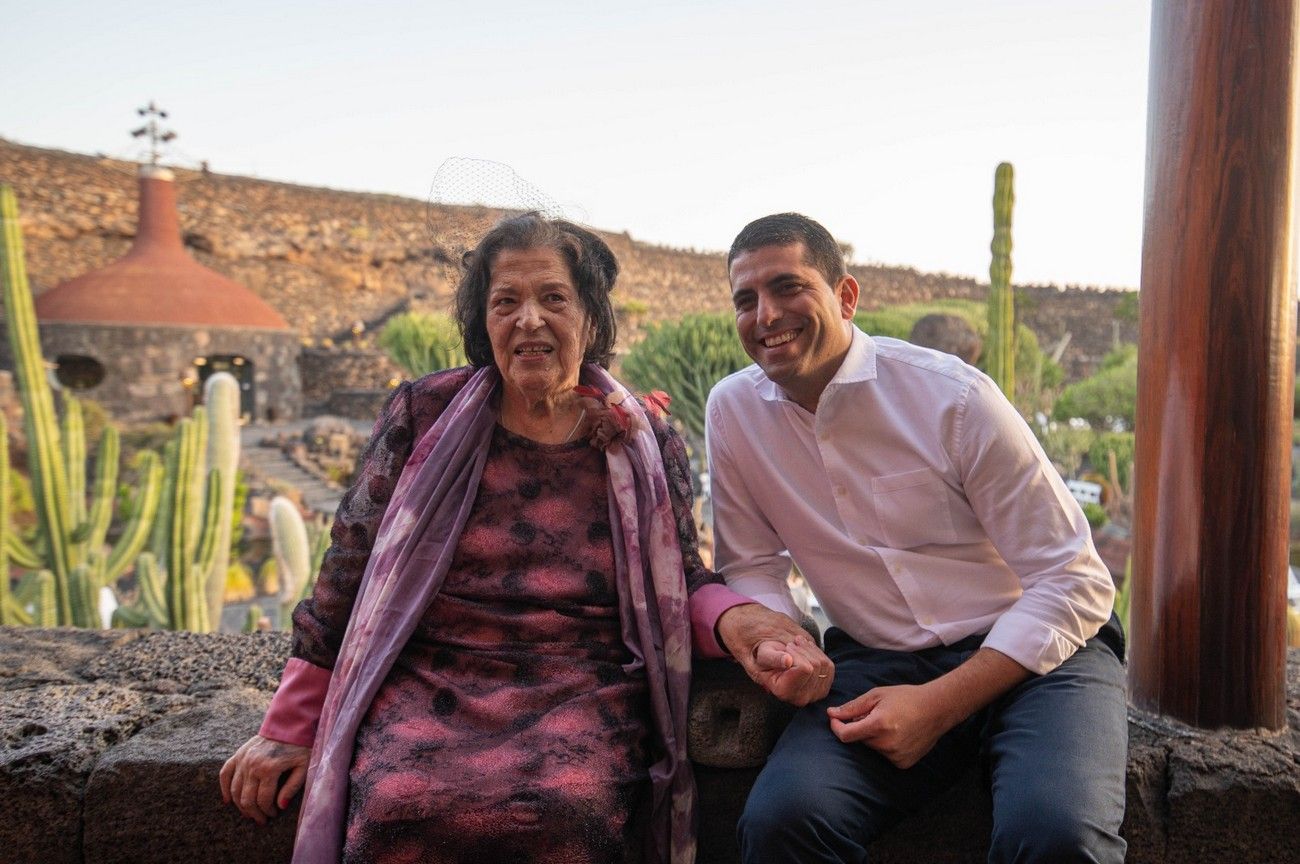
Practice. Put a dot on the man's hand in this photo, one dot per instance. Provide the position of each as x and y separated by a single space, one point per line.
776 653
251 778
903 722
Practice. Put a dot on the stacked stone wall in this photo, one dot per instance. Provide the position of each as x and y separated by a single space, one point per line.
327 259
110 744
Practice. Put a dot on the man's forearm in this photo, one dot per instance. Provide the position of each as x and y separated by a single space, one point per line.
985 676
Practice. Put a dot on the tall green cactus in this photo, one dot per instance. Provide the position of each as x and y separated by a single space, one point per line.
8 608
182 578
1002 312
298 554
71 534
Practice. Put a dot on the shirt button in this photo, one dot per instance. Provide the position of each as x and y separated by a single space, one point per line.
926 621
823 436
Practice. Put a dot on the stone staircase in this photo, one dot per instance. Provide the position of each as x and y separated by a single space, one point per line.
270 465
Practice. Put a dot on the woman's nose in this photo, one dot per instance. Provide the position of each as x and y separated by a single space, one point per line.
529 316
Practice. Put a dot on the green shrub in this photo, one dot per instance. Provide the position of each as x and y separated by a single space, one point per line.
1107 399
1066 447
1095 514
686 358
421 342
1123 444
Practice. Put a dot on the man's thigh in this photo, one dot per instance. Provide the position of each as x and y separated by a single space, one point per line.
1058 746
818 799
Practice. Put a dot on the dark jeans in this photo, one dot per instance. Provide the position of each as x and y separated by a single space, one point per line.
1056 750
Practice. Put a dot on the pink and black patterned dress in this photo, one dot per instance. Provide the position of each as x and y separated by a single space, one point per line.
507 729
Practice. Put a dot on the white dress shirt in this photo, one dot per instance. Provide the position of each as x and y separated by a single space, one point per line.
916 502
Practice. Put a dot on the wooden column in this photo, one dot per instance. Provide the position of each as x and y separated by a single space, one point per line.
1215 365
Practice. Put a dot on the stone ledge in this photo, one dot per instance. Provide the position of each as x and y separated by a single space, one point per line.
111 744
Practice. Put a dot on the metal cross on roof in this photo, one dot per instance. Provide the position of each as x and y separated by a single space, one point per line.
157 135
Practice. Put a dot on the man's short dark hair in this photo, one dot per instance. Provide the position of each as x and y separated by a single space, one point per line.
784 229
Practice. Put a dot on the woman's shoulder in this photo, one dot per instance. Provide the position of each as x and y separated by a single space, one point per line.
424 399
443 384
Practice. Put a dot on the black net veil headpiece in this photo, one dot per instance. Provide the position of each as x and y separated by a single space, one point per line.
469 195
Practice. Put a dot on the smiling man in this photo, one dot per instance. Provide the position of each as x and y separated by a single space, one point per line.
970 611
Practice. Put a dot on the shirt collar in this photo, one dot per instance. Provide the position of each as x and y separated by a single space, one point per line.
859 365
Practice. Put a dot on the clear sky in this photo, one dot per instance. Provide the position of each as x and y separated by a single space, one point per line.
675 121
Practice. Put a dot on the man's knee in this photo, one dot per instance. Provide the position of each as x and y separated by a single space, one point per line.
1046 832
798 816
781 812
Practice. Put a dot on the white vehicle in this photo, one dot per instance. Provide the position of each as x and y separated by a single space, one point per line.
1084 491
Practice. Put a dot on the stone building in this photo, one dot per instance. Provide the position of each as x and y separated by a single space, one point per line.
141 334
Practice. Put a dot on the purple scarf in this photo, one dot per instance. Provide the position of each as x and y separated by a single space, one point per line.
413 551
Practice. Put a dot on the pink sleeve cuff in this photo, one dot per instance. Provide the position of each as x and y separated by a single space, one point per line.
296 706
707 605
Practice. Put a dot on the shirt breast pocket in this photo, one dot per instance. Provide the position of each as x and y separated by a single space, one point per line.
913 508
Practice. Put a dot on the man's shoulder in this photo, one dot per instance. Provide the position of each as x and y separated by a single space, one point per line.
937 369
739 387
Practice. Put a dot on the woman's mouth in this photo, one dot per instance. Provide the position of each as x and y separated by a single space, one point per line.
533 351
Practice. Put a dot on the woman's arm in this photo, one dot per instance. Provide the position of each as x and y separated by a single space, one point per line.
709 595
774 650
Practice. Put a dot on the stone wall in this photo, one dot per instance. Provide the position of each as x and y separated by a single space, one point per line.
326 370
147 368
327 259
110 744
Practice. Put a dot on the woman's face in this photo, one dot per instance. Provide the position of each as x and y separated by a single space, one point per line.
536 322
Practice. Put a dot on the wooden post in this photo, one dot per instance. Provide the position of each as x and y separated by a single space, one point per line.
1215 383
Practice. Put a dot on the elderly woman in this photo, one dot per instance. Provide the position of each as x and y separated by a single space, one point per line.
494 663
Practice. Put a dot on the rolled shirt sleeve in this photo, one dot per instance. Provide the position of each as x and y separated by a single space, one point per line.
1038 529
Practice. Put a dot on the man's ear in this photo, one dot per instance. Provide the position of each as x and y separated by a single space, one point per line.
846 291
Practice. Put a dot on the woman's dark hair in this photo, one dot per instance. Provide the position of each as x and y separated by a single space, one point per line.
591 264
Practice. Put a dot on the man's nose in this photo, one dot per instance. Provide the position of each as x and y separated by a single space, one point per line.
768 310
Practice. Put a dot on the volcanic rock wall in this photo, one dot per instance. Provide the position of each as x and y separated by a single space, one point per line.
327 259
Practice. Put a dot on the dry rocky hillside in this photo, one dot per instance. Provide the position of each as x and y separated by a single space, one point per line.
326 259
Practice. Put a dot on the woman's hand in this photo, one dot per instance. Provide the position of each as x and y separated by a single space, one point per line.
776 653
251 778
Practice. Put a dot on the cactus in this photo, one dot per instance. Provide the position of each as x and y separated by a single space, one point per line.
422 343
72 535
221 397
1002 314
192 540
686 358
9 611
298 554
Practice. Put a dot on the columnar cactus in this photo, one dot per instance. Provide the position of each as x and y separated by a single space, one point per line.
297 555
1002 314
8 607
191 541
72 535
